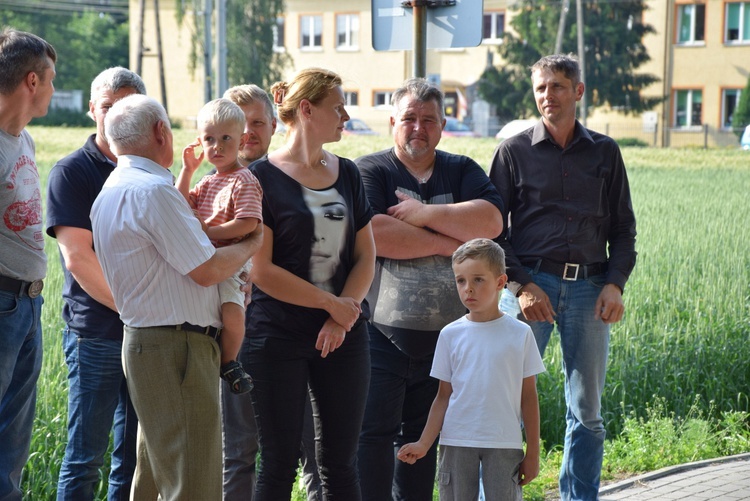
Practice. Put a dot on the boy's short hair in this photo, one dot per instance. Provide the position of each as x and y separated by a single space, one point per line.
221 111
482 249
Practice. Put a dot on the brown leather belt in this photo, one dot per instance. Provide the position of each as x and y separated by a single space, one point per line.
21 288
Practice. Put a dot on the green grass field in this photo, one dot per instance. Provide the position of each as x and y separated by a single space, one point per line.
682 348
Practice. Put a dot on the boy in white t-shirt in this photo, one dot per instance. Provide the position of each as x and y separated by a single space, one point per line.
229 203
487 364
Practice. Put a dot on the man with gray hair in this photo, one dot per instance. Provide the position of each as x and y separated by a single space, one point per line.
427 203
27 69
162 271
92 336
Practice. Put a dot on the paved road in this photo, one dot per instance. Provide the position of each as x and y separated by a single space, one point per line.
715 479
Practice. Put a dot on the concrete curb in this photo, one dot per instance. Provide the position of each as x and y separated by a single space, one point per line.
670 470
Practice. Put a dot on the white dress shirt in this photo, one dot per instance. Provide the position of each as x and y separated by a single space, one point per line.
147 241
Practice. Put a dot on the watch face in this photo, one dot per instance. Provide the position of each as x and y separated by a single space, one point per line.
35 288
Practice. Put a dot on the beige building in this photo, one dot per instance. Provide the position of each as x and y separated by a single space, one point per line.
700 52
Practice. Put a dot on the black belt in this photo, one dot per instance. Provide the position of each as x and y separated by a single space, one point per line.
568 271
209 331
31 289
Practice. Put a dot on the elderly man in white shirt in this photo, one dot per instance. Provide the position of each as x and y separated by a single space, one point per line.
162 271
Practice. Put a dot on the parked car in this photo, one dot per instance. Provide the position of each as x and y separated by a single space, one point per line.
455 128
745 141
515 127
356 126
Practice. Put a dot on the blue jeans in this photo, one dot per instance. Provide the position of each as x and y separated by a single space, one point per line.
585 346
399 401
20 364
97 397
281 370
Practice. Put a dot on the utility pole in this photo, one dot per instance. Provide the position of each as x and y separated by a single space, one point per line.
159 51
419 37
581 56
207 55
561 26
221 47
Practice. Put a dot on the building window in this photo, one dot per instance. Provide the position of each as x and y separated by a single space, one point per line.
347 32
311 32
688 109
730 98
493 26
381 98
351 98
691 21
738 22
278 35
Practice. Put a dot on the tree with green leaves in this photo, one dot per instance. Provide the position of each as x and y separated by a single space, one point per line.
613 36
250 31
87 41
741 116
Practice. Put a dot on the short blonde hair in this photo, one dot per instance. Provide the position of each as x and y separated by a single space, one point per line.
244 95
221 111
482 249
312 84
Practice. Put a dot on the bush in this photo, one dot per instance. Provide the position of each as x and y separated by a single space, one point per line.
64 118
631 141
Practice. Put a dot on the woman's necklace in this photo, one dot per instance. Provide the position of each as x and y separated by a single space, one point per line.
291 155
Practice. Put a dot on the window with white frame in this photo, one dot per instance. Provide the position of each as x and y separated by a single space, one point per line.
688 108
351 98
691 23
381 98
737 29
311 32
493 26
278 35
730 98
347 31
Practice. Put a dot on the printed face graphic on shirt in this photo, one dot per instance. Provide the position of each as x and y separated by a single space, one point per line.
330 218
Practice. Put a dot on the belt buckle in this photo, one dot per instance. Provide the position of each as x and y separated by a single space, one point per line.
574 268
35 288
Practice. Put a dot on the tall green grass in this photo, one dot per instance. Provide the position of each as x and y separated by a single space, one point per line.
687 322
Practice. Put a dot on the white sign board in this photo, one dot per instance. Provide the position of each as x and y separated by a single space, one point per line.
458 25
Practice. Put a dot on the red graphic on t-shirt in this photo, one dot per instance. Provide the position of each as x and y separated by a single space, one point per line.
26 210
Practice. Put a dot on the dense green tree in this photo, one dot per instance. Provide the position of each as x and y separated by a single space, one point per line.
86 42
741 117
250 31
613 35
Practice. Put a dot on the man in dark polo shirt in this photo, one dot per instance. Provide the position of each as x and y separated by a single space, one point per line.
570 247
92 337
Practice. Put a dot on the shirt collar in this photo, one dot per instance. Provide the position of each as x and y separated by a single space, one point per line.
144 164
541 134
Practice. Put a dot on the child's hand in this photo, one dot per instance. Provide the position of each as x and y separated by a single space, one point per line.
204 226
528 470
189 161
409 453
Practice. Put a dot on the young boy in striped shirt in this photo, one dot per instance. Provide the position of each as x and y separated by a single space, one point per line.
229 204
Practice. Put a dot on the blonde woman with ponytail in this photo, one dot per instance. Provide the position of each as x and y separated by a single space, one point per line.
306 322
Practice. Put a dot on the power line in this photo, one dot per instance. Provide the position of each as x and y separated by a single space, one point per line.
32 7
